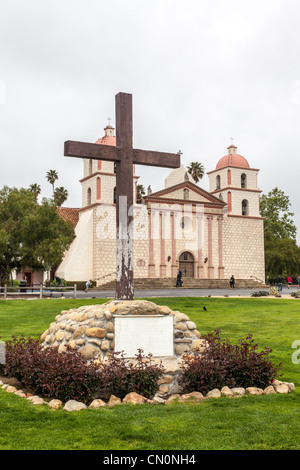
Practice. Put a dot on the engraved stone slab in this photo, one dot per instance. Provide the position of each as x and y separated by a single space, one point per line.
152 333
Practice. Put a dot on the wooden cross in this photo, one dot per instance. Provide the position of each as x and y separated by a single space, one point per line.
125 157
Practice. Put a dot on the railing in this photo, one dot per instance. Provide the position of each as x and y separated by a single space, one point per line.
105 276
256 278
38 290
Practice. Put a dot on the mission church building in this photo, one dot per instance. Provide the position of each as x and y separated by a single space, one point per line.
208 235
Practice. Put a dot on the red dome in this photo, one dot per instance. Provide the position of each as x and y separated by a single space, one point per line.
107 140
232 159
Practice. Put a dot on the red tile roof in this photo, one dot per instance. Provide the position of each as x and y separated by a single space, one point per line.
69 213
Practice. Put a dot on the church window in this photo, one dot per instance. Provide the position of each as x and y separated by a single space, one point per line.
115 167
186 193
89 196
99 165
245 207
243 180
90 167
98 189
218 182
115 195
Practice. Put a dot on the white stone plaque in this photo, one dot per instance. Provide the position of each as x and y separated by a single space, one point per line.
151 333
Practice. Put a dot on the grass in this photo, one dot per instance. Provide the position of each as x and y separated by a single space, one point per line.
246 423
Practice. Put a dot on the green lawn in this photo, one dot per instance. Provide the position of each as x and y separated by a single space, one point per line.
247 423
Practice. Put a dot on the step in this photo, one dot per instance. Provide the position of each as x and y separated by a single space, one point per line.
189 283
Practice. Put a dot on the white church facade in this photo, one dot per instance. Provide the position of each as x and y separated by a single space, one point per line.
209 235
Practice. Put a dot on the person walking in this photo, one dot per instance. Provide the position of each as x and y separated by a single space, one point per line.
298 281
290 281
179 281
87 285
232 282
279 283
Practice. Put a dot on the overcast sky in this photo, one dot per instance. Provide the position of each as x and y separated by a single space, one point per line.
200 72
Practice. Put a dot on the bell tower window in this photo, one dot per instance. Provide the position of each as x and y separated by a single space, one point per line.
243 180
89 196
245 207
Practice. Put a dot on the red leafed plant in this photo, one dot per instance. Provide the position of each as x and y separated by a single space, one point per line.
224 364
67 375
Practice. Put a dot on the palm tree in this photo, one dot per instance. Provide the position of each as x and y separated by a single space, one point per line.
140 192
36 189
60 195
196 170
52 176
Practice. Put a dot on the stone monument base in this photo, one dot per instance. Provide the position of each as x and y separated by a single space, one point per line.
95 330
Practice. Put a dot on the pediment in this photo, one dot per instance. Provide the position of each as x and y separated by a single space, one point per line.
185 192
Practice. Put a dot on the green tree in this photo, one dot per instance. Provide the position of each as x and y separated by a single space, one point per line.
52 176
140 192
60 195
196 170
31 234
282 255
36 189
275 207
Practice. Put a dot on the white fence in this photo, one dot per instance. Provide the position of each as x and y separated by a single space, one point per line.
35 290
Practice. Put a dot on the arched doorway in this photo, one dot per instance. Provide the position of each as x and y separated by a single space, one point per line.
186 264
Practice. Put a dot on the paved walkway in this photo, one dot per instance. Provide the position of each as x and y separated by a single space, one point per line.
178 292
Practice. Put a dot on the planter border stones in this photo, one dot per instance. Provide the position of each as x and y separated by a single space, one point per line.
134 398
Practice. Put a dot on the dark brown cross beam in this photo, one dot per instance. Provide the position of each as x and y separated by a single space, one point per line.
125 156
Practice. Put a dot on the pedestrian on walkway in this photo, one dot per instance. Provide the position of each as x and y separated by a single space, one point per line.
290 281
232 282
179 281
87 285
279 283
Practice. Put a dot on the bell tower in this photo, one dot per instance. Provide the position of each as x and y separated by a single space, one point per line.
99 177
235 182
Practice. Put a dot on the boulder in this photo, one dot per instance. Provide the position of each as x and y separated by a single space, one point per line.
282 388
73 405
55 404
238 391
227 392
215 393
114 401
135 399
254 391
97 403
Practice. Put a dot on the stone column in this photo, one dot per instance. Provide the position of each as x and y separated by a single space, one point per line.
210 245
151 266
200 233
163 266
173 235
220 246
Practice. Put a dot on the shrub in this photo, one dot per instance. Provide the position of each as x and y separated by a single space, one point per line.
47 372
274 290
222 363
67 375
260 293
120 376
